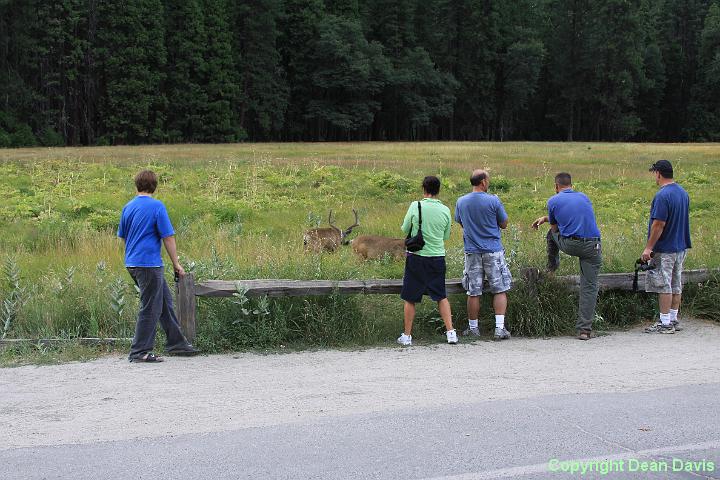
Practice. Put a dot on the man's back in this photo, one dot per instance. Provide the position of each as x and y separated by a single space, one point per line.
671 205
143 224
573 213
480 215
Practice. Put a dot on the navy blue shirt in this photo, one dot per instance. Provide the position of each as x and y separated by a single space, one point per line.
573 213
671 205
143 225
480 215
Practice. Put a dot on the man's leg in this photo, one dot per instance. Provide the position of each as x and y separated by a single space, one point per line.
151 304
409 311
590 263
553 252
676 300
665 302
660 280
500 303
168 321
473 307
445 314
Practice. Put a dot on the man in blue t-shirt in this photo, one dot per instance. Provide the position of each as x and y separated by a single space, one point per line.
481 217
144 225
574 230
666 247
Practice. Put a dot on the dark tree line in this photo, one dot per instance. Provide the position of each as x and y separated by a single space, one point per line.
86 72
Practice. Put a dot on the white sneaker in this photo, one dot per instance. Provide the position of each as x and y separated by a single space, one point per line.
405 340
451 336
501 334
471 332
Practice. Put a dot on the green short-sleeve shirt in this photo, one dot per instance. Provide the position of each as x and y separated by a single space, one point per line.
436 222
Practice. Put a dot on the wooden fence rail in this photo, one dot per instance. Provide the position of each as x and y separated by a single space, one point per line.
187 289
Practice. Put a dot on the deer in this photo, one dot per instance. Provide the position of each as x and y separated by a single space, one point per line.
328 239
375 247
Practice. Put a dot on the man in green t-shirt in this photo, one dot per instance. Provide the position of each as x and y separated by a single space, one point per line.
425 268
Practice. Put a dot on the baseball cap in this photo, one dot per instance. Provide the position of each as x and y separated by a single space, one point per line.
662 166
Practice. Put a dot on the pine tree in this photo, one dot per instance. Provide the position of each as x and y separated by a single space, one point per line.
261 109
220 123
349 71
131 45
300 32
186 43
705 109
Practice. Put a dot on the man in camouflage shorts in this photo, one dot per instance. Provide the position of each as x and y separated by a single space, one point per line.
666 247
481 216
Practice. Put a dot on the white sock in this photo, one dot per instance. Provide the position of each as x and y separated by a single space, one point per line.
473 323
499 321
673 315
665 319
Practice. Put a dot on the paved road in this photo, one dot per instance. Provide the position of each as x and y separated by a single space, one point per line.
497 439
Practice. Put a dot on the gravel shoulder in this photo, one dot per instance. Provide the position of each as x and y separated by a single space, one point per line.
110 399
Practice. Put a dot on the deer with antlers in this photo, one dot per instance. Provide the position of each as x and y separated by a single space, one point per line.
375 247
328 239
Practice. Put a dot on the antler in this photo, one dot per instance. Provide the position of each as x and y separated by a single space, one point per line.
357 223
330 221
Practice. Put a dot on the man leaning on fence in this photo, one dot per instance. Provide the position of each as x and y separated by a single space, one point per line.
574 231
144 225
481 217
666 247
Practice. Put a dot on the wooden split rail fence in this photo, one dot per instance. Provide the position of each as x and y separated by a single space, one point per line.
188 290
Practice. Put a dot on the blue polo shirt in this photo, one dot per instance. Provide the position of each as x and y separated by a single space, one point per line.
480 215
143 225
573 213
671 205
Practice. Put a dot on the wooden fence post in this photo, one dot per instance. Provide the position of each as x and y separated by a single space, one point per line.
185 305
531 276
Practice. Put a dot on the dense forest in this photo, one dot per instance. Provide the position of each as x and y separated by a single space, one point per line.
89 72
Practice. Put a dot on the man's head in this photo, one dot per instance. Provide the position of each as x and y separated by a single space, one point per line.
663 171
146 181
563 180
480 180
431 185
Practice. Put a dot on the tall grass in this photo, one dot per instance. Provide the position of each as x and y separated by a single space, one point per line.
239 212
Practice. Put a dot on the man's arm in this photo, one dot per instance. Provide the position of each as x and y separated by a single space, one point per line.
171 248
407 221
656 230
539 221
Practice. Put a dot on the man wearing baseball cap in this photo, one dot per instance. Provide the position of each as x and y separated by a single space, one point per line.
666 247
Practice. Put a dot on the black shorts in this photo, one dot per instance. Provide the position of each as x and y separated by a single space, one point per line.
423 276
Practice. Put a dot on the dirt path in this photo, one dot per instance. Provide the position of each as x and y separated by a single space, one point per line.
111 399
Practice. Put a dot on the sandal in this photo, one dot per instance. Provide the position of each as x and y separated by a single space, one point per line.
147 358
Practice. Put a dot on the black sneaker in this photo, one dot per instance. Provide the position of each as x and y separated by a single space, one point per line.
676 324
660 328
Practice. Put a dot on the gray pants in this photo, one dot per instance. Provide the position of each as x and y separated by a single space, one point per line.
156 304
590 254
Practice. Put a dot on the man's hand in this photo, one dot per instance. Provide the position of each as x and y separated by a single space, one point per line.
646 255
179 270
539 222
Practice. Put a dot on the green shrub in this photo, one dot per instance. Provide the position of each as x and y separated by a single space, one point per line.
51 138
23 137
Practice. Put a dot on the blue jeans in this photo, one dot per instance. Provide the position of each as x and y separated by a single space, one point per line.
156 303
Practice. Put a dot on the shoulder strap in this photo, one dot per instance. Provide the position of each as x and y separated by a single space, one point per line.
419 216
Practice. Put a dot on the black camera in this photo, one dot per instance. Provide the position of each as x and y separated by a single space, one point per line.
642 266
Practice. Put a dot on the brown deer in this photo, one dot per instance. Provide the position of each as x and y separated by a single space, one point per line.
375 247
328 239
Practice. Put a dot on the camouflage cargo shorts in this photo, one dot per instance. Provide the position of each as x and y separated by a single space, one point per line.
486 266
666 277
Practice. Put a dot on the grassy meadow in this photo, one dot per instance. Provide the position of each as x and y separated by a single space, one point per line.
239 212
